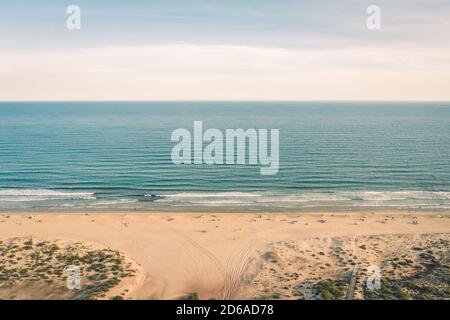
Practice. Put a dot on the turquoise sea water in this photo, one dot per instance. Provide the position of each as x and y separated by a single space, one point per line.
116 156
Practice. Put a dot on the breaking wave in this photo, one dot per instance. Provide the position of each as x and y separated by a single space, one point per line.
27 195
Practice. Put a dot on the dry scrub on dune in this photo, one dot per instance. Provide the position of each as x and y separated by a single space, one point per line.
34 269
412 267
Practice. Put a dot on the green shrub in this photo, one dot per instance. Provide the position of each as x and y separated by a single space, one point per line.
195 296
401 294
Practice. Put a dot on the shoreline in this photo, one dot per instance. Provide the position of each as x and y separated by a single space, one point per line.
193 212
182 253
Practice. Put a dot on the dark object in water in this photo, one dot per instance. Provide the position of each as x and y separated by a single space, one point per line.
152 197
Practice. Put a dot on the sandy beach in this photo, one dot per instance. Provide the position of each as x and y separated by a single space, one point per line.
246 255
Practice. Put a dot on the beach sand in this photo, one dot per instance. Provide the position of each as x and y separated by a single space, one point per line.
233 255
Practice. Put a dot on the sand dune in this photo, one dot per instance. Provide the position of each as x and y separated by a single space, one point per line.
229 256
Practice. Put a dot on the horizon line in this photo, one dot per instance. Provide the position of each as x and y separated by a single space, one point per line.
231 100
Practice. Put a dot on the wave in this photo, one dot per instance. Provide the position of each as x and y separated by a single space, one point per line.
26 195
261 200
363 196
112 202
320 196
211 195
400 195
349 199
223 202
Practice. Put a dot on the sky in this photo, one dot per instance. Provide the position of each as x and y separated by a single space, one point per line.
225 50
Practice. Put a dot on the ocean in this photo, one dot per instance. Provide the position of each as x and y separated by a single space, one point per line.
78 156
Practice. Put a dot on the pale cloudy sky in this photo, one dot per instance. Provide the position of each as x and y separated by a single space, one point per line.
225 50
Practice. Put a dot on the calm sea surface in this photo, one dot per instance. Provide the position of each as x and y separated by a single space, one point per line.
116 156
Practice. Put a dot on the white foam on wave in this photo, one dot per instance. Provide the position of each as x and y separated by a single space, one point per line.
398 195
306 197
299 199
222 202
113 202
26 195
364 198
211 195
381 196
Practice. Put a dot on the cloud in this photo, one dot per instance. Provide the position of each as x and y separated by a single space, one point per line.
226 72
